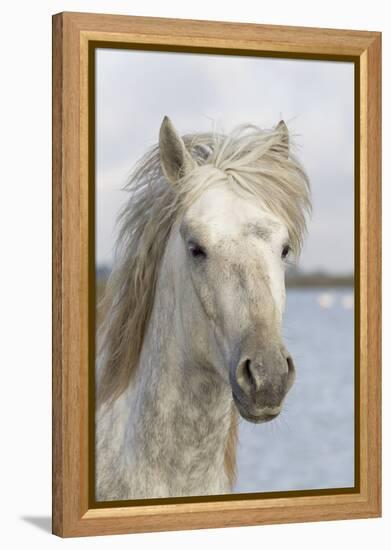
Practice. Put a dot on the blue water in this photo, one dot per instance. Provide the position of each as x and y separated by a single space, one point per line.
311 444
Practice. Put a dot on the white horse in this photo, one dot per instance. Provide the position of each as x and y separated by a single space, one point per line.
193 310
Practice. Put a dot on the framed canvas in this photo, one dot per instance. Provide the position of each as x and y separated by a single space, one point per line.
192 162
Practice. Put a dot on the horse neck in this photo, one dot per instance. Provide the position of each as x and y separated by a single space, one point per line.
181 416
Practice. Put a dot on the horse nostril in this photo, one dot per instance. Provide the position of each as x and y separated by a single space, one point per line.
245 375
247 371
291 366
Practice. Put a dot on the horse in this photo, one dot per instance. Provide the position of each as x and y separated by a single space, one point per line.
192 333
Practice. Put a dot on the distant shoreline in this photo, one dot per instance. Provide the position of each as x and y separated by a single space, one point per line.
312 280
320 281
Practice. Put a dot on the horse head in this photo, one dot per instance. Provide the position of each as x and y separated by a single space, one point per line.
240 216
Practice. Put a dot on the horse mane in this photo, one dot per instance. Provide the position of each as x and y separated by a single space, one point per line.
253 159
231 446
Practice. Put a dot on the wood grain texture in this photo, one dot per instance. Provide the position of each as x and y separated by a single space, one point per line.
57 461
72 34
373 261
222 34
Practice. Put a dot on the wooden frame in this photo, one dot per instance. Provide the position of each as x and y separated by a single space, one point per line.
73 34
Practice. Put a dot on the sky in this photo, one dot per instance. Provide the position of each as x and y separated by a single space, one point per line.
134 90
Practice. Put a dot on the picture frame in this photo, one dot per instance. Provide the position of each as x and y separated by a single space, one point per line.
75 36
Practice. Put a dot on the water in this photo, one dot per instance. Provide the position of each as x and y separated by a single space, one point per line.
311 444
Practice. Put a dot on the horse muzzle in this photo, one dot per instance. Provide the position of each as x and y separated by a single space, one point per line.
260 384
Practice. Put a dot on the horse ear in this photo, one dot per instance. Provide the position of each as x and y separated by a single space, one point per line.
283 146
175 159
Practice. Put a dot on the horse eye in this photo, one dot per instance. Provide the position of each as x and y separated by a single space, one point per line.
285 251
197 251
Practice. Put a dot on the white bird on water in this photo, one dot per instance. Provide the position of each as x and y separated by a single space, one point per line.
325 300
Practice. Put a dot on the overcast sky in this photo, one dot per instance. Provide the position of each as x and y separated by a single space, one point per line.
316 99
